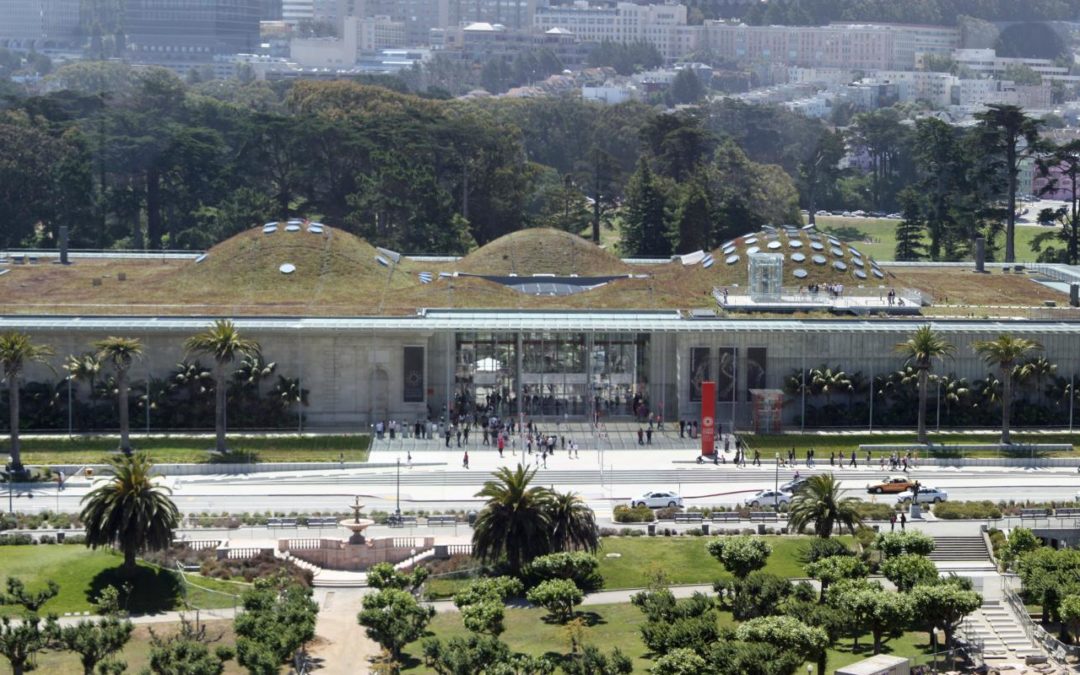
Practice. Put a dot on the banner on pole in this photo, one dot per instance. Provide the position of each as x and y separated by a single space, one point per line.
708 417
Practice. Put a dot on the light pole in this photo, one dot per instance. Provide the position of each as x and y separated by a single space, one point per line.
776 485
397 502
933 645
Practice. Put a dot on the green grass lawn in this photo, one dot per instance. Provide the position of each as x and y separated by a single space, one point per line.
882 235
83 573
826 443
617 625
190 450
137 651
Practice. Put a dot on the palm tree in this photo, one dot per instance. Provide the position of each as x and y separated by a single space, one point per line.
1037 370
131 511
820 503
573 524
515 523
83 368
17 350
223 342
827 381
921 349
1004 352
121 352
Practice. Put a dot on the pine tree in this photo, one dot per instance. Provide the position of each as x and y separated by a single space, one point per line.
693 219
644 231
909 233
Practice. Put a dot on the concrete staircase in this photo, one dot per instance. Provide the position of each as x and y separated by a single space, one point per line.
1001 633
323 578
960 550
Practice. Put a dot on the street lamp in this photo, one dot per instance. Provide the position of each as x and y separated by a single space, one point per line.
933 645
397 502
776 485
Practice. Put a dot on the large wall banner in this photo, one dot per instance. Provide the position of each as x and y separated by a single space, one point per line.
414 374
700 370
755 369
725 377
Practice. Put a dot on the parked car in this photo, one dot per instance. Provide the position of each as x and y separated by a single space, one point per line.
891 484
794 485
768 498
927 495
657 500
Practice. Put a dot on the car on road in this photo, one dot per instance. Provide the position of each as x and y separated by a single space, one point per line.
927 495
768 498
891 484
794 485
657 500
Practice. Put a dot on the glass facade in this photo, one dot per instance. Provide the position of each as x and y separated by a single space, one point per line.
554 374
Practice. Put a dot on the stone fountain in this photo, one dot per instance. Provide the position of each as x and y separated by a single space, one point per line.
357 525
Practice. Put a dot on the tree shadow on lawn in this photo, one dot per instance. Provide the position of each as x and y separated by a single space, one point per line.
866 645
149 591
589 619
234 457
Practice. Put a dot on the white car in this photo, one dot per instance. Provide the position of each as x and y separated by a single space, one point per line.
657 500
927 495
768 498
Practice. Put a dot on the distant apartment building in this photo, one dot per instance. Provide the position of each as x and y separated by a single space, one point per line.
987 63
839 45
184 33
39 23
479 42
418 16
376 33
663 26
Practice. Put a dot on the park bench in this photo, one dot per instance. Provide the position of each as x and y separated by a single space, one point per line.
693 517
725 517
1067 513
281 522
441 521
1034 513
401 521
273 522
318 521
764 516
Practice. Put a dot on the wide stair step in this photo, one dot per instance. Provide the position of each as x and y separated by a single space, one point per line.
960 549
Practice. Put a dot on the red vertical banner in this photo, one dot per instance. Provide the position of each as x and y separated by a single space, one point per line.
708 417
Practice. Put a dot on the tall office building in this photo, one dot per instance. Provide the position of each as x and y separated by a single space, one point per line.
39 23
178 32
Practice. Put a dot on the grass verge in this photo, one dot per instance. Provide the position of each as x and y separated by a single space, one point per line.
192 450
826 443
83 573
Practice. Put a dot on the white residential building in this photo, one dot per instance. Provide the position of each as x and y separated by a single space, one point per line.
663 26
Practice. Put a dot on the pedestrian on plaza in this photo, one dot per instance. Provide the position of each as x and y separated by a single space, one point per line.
501 444
465 460
881 462
905 465
757 458
648 436
903 520
854 458
466 434
640 436
867 458
448 437
682 428
892 522
791 456
738 457
408 457
543 456
716 459
832 458
727 445
841 459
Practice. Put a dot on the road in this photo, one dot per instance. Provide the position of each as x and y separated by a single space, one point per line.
435 486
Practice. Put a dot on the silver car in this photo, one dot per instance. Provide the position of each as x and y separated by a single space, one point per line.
657 500
927 495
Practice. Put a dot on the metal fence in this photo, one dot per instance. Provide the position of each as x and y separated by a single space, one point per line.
1057 649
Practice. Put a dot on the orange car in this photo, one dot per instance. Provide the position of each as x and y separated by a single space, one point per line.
891 484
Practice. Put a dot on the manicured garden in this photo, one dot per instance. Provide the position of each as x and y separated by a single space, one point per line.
197 450
82 574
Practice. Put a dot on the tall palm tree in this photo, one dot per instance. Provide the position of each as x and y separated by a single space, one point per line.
515 523
924 345
820 503
121 352
131 511
223 342
17 351
1004 352
573 523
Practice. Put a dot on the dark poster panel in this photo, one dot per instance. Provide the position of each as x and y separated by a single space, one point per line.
699 370
725 379
755 369
414 375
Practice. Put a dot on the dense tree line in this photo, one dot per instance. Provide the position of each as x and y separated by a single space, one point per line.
937 12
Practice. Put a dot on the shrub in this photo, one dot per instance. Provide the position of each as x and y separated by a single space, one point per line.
667 513
75 539
759 594
694 532
875 510
579 567
912 542
558 597
637 514
16 540
974 510
47 539
819 549
608 532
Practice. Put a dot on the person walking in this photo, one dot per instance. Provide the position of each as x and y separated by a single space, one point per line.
465 460
408 457
757 458
448 437
892 522
841 459
903 520
854 460
832 458
640 436
501 444
682 428
648 435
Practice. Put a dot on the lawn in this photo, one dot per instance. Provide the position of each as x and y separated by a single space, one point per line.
83 573
617 625
684 560
195 450
137 651
877 237
826 443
